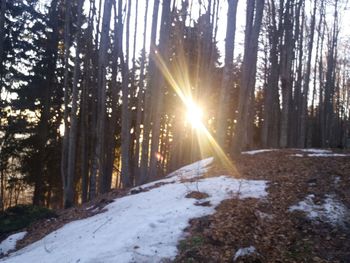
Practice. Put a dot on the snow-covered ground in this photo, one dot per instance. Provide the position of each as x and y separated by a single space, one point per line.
191 171
144 227
10 242
310 152
253 152
245 251
316 151
330 211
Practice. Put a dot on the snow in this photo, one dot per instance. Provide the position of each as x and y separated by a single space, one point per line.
321 155
244 252
191 171
330 211
10 242
327 155
253 152
314 150
144 227
311 152
297 155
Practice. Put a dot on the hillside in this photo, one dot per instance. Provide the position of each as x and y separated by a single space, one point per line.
279 206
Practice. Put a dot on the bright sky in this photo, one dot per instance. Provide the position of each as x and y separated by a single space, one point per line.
344 12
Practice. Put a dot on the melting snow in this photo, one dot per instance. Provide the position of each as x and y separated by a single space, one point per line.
10 242
144 227
244 252
330 211
318 153
258 151
190 171
327 155
313 150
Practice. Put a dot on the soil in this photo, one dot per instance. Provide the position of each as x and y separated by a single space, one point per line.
277 234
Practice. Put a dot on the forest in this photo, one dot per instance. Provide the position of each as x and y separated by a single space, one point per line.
102 94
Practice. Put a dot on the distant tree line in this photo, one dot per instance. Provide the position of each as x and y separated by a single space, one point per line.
84 110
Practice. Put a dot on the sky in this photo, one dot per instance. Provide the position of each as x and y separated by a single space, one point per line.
344 13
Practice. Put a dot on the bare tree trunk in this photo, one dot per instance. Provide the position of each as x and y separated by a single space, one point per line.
43 125
158 89
113 122
270 134
227 74
125 136
148 95
296 102
98 162
254 15
69 189
304 113
330 80
286 68
140 102
2 34
84 143
64 154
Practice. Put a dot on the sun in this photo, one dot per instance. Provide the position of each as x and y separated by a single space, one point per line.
194 115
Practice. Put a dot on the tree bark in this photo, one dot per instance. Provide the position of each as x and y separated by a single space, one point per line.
69 184
125 136
140 103
304 112
227 74
158 89
98 162
254 15
148 98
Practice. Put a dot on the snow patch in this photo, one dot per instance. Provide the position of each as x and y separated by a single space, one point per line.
191 171
327 155
143 227
297 155
242 252
10 242
330 211
253 152
318 153
337 180
314 150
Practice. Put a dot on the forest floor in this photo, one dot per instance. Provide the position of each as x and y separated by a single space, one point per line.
267 230
303 218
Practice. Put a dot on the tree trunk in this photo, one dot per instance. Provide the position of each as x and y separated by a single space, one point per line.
140 103
98 162
2 35
148 98
69 184
64 154
226 83
158 89
304 112
254 15
125 136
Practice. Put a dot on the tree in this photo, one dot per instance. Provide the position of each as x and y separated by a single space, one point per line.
226 82
254 15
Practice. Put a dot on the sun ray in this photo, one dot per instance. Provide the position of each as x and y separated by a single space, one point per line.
180 83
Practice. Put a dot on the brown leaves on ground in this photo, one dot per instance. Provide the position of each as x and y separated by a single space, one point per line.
277 234
197 195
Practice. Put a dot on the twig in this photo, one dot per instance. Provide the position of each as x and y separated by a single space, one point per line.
108 220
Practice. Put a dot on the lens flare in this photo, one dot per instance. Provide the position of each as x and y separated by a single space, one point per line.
194 115
178 79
